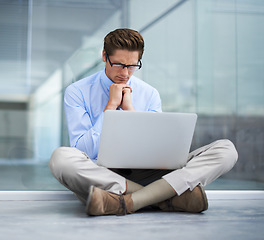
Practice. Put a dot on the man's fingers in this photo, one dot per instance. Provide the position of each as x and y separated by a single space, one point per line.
127 90
120 86
127 87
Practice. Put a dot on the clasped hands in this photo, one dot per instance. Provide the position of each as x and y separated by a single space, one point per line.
119 96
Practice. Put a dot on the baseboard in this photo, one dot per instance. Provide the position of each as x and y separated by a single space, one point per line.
69 196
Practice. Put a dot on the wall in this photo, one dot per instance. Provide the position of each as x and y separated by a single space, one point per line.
207 57
46 116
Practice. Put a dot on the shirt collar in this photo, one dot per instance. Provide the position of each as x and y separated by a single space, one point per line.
106 82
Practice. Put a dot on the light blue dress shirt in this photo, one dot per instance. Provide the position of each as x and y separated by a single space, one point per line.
85 100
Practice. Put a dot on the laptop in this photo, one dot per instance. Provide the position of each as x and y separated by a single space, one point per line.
145 140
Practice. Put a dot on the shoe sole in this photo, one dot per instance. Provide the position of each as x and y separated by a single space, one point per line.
89 199
204 198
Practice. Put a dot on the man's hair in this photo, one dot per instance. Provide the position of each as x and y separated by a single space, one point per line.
124 39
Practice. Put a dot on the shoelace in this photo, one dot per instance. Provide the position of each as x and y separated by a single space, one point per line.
122 210
169 204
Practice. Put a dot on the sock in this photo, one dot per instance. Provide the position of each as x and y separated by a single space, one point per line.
153 193
132 186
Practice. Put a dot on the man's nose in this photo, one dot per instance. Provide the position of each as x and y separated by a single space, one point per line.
124 71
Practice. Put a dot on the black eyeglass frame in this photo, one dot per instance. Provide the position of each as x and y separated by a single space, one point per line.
123 65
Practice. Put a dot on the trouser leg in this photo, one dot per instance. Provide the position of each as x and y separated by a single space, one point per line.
204 166
77 172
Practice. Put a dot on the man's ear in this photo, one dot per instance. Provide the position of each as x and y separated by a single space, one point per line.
103 56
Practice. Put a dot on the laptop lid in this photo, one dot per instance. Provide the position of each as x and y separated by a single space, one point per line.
145 140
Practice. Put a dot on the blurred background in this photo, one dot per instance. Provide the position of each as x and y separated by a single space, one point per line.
203 56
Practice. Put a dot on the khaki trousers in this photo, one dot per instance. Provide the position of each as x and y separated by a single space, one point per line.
76 171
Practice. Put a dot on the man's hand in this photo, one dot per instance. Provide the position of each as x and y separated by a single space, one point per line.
116 93
126 102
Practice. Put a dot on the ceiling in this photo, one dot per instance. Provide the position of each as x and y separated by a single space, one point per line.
38 36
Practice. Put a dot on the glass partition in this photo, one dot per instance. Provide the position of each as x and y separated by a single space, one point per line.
207 57
45 45
203 56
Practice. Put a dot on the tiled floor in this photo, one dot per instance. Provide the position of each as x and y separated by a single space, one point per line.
226 219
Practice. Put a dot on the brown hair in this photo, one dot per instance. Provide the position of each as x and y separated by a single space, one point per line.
124 38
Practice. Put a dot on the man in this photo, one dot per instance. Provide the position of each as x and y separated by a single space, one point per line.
113 191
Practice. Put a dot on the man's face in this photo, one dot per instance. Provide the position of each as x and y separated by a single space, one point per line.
124 57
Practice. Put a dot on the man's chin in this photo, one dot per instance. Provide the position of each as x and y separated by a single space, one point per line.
121 81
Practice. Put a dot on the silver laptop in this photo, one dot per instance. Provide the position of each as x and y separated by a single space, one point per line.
145 140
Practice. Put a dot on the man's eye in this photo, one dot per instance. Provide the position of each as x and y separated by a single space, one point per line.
117 65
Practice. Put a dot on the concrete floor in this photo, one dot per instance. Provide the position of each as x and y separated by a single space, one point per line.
226 219
58 215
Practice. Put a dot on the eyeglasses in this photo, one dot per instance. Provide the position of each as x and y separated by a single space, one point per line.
120 66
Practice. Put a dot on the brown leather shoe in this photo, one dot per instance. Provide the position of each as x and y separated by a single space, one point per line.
101 202
194 201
